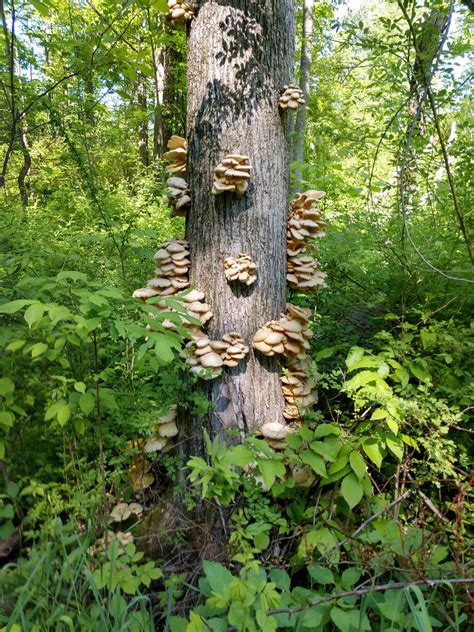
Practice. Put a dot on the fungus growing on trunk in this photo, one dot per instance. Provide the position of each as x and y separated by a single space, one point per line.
292 98
180 11
178 196
232 174
240 268
288 336
178 154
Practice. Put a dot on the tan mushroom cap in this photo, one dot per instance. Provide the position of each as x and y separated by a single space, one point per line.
288 336
167 429
180 12
177 155
155 444
120 512
303 476
291 98
232 174
303 274
275 430
240 268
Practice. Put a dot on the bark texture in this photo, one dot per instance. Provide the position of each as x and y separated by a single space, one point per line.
305 71
240 54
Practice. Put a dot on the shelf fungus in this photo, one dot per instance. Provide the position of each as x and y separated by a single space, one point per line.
177 154
178 196
292 98
240 268
304 275
193 312
288 336
180 12
275 434
207 357
304 221
232 174
298 390
171 272
163 432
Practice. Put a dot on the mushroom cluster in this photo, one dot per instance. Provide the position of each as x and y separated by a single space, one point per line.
171 272
232 174
288 336
240 268
236 349
303 274
207 358
298 391
180 11
178 196
192 306
275 434
123 511
177 154
292 98
163 432
304 221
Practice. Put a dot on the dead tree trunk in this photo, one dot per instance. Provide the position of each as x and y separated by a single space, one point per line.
305 71
240 54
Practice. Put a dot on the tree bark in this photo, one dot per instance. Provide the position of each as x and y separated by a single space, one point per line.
143 121
305 73
240 54
26 166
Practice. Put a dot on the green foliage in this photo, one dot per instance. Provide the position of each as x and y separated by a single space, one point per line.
60 586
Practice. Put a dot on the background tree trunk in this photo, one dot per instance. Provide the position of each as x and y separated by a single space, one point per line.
305 70
240 54
143 121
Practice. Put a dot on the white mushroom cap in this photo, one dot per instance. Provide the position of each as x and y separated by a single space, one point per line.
275 430
155 444
120 512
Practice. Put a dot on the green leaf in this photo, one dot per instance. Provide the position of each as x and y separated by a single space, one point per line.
217 575
7 419
34 313
350 577
315 462
311 618
419 372
351 489
63 414
372 449
80 387
323 430
395 446
41 7
379 413
14 306
241 456
38 349
355 354
2 449
270 470
87 403
261 541
7 512
6 386
15 345
357 464
321 574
